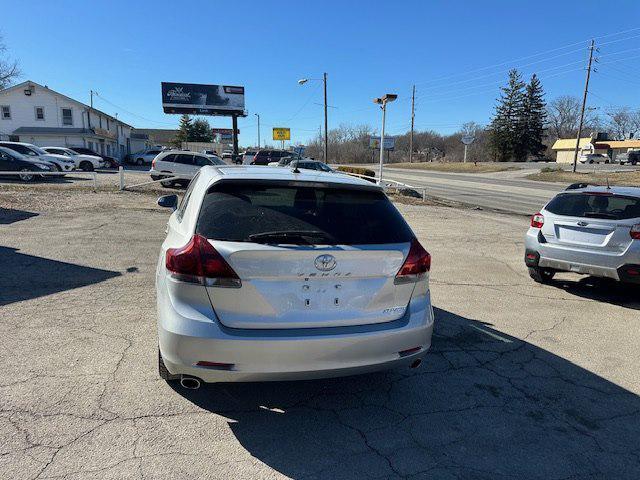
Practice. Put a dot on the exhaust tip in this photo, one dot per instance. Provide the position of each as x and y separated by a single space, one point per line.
190 383
416 363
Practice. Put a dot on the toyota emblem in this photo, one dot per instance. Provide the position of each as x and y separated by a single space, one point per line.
325 263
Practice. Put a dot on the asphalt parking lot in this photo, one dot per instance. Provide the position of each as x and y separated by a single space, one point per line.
523 380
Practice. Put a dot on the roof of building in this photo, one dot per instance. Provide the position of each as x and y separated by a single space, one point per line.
618 144
570 143
45 87
52 131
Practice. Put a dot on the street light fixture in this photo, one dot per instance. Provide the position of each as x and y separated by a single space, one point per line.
302 81
382 101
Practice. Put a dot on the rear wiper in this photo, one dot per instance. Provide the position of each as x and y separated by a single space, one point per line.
288 235
600 215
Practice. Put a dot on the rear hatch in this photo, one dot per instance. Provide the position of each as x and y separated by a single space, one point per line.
594 221
308 255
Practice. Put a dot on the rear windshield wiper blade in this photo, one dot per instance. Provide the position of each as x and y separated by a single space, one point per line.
287 235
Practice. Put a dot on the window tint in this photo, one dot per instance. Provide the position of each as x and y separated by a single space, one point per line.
22 149
153 152
184 159
169 158
236 210
201 161
606 206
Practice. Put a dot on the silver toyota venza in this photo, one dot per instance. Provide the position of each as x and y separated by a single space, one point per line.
280 274
588 230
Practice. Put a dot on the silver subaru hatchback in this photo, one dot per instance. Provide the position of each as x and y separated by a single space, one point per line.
588 230
274 274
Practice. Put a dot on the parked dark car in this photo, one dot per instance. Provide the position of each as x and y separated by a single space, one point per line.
265 156
12 161
110 162
632 157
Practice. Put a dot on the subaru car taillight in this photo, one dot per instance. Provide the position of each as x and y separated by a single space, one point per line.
537 221
199 262
416 265
635 232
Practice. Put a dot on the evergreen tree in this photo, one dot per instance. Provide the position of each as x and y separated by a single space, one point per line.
535 117
184 130
507 138
201 131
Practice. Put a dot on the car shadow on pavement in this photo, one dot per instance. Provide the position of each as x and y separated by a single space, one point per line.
9 215
23 277
484 405
602 290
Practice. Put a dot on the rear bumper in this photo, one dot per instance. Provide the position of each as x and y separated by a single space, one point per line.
608 265
293 354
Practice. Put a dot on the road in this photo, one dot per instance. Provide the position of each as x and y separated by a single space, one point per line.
513 195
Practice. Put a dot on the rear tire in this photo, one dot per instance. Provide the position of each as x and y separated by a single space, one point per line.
167 183
162 370
541 275
26 177
86 166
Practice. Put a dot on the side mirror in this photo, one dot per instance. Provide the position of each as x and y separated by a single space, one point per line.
168 201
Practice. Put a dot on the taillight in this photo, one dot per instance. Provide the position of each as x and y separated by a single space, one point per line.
416 265
199 262
537 221
153 162
635 232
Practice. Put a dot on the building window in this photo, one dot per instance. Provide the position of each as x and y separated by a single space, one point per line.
107 123
67 116
6 112
100 120
39 113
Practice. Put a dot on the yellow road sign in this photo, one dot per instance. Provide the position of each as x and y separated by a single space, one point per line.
282 134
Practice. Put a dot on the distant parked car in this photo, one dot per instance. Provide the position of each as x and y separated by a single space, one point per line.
310 165
12 161
594 158
176 162
215 159
632 157
145 157
58 163
266 156
587 229
108 162
82 162
247 157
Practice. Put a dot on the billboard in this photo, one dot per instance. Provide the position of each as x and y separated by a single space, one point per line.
282 134
389 143
199 99
223 135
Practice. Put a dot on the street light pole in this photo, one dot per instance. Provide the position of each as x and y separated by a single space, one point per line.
258 128
326 122
382 101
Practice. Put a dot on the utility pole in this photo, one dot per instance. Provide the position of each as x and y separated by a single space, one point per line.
584 104
90 108
258 128
326 129
413 100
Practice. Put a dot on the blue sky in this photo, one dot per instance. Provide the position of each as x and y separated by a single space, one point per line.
457 54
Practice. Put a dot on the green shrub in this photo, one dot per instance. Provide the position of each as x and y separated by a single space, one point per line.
359 171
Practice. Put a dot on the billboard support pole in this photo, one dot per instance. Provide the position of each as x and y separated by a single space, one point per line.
234 119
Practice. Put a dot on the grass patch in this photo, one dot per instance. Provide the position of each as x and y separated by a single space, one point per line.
456 167
631 179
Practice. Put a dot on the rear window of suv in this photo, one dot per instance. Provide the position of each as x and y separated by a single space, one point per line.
594 205
236 211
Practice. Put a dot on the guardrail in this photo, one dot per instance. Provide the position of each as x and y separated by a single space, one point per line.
93 175
390 183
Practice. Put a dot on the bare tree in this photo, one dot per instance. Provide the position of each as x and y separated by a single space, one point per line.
563 117
621 122
9 70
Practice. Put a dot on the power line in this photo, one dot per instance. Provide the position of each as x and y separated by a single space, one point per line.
129 112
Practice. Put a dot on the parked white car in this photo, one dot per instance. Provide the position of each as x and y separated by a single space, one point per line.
594 158
262 276
87 163
145 157
59 163
179 162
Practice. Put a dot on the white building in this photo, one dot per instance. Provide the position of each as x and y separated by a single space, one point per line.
34 113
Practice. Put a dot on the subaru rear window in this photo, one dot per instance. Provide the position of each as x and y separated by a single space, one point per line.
281 213
595 205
